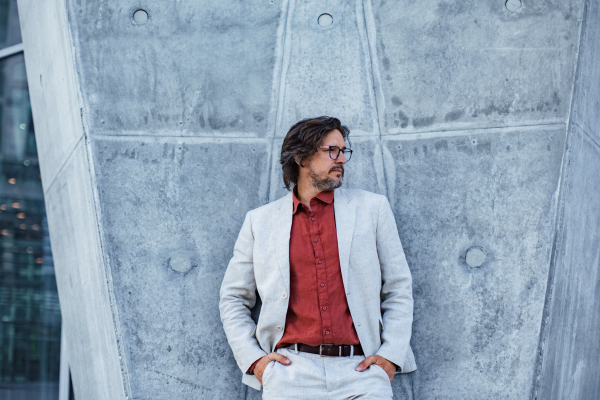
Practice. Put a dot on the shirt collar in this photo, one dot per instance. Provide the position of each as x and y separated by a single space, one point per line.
325 197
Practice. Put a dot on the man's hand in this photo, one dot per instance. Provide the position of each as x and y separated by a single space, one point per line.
388 366
262 364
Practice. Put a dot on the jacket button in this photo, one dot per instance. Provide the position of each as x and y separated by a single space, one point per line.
279 328
284 296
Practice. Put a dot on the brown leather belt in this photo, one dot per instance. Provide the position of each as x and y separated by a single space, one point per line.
329 349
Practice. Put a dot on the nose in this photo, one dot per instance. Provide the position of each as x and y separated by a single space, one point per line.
341 159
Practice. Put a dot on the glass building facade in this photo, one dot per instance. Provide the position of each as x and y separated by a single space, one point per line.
30 320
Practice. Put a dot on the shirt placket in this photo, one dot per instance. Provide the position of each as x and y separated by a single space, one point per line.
320 266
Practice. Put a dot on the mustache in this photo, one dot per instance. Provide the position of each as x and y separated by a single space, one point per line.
337 167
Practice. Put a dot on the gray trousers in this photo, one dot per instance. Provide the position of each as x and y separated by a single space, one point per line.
313 377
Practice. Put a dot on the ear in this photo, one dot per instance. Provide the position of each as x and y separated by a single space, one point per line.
299 162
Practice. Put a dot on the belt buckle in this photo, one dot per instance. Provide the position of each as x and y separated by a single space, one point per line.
321 349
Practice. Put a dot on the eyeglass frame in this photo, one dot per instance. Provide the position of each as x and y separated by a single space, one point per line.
340 151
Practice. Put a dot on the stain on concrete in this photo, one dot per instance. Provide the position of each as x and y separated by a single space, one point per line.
441 145
454 115
386 63
400 119
422 122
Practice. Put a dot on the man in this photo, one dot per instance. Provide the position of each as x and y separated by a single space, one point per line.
336 291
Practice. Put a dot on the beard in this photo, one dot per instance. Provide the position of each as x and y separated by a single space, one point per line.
326 184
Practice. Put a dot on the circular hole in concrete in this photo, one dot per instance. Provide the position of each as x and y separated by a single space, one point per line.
180 262
513 5
325 20
140 17
475 257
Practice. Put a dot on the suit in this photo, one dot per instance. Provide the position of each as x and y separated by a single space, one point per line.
373 267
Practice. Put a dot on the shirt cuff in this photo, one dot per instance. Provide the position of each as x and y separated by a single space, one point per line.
251 369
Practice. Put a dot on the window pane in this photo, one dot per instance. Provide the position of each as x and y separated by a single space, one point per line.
10 31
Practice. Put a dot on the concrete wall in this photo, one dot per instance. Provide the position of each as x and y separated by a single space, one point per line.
458 113
571 349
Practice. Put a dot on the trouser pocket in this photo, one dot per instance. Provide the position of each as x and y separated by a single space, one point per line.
267 372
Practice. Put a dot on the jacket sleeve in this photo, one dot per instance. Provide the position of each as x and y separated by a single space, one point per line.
238 296
396 289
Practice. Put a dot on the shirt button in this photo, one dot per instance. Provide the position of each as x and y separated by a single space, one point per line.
322 285
320 261
279 328
284 295
313 219
315 240
324 308
327 332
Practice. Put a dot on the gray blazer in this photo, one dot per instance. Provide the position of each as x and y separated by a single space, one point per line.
374 271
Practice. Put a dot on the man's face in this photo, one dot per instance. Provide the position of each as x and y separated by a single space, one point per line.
325 173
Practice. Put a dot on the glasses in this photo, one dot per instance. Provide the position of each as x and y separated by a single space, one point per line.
335 151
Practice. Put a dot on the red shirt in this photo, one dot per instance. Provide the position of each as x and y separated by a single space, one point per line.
318 311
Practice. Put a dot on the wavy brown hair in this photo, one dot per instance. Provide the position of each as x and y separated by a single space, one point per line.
302 141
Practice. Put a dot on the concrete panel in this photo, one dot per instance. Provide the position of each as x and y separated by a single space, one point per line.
163 200
82 282
53 88
570 365
587 102
326 68
448 65
476 329
193 68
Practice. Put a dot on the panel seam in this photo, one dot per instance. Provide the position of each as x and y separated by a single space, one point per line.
365 20
441 133
283 66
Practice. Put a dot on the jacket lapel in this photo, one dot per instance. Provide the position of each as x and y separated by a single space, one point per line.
282 225
345 217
